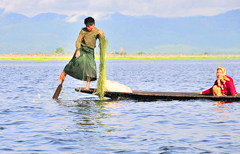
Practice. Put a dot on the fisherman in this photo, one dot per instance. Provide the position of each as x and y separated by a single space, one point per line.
223 86
82 66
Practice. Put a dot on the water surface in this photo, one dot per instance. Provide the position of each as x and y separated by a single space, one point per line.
31 122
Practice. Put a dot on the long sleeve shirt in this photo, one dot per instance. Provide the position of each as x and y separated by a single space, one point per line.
227 88
87 38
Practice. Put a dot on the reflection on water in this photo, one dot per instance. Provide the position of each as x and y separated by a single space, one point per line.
224 110
90 113
31 122
221 103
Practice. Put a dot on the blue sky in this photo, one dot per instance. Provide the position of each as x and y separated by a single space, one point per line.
100 8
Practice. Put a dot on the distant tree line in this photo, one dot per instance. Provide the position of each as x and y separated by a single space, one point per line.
120 53
141 53
125 53
59 50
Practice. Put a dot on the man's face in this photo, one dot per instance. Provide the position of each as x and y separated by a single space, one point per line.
91 27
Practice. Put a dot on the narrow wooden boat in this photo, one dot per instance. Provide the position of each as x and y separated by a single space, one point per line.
149 95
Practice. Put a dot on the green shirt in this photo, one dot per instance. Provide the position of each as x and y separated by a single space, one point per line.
89 38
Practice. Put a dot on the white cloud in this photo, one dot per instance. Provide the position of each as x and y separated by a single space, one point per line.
99 8
75 18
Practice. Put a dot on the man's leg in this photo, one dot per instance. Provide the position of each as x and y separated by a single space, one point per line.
88 83
62 77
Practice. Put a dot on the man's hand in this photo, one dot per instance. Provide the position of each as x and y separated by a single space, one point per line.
77 54
101 32
200 92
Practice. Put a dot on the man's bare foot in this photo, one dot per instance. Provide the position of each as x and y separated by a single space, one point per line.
62 77
79 89
88 83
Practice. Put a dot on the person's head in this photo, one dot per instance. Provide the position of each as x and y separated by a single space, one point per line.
221 72
90 23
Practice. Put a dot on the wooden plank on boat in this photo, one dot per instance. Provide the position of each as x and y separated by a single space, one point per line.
150 95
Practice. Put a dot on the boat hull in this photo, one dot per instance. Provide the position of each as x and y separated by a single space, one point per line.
149 95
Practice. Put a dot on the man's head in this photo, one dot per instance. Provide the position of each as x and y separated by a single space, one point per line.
89 21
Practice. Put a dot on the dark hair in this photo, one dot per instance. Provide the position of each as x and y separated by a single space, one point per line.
89 21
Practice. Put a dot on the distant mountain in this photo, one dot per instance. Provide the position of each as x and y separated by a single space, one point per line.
187 35
49 16
151 34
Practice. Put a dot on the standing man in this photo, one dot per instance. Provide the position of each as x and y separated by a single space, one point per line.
82 66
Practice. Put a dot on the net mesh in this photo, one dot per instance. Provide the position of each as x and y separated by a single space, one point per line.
102 68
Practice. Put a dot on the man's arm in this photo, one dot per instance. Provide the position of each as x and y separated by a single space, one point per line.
78 44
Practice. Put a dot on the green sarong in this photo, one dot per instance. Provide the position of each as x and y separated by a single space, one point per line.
84 66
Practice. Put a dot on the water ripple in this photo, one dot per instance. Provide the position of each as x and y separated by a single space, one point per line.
31 122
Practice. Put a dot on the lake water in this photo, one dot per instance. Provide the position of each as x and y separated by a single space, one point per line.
31 122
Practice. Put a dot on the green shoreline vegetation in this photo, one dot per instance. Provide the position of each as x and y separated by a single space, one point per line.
126 57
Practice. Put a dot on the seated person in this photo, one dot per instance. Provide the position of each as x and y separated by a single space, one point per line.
223 86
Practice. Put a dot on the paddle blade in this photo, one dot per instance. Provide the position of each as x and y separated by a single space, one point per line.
57 92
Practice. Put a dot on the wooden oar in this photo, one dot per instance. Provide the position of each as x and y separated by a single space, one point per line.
58 90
